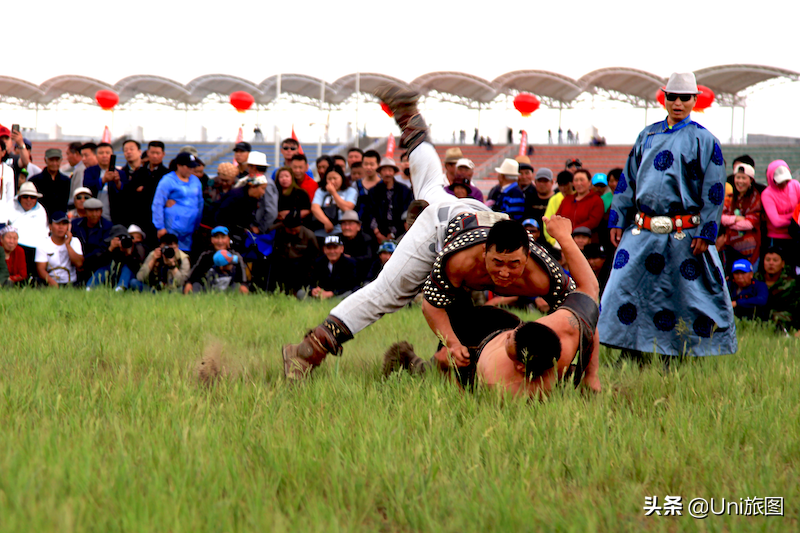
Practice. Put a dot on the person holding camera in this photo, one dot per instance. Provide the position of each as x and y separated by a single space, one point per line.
165 268
124 260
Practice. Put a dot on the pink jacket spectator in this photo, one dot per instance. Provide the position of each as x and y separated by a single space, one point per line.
779 202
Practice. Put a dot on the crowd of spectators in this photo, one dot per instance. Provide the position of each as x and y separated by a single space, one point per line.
82 220
149 225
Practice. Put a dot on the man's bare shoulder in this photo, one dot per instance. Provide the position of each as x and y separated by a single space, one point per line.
461 263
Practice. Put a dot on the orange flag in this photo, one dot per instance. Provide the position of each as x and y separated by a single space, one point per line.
240 136
106 135
299 146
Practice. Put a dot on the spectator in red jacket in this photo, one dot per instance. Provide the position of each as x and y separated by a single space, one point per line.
15 256
585 207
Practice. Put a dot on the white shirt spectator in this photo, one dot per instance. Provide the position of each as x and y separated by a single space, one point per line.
32 225
56 256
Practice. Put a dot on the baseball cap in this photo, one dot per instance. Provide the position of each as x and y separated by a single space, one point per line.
593 250
464 162
59 216
531 222
52 152
186 159
219 229
744 168
243 147
742 265
332 240
5 132
582 230
387 246
599 179
781 174
544 174
224 258
293 219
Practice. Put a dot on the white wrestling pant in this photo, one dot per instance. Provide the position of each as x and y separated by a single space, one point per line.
411 263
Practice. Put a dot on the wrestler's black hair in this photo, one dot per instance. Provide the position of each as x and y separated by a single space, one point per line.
508 236
538 347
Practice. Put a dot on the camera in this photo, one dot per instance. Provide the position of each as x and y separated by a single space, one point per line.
167 252
126 241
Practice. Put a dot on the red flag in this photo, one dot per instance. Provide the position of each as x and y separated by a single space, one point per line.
240 136
390 146
106 135
523 143
299 146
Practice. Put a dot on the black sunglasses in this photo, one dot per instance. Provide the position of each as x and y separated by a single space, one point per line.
26 197
288 147
684 97
82 197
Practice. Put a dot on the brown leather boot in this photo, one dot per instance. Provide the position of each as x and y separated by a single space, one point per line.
299 360
403 103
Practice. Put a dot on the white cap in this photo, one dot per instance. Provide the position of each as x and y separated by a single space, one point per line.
745 169
464 162
781 175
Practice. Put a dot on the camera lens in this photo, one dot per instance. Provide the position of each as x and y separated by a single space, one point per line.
168 252
125 241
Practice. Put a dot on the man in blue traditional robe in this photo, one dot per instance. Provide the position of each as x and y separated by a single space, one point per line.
666 293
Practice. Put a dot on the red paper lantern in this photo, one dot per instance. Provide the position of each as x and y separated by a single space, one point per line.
526 104
241 101
704 100
386 109
106 99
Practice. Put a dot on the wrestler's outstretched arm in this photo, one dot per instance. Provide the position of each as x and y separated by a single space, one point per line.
586 282
439 322
560 228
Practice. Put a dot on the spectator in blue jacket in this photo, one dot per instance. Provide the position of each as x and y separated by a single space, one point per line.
106 183
178 202
510 199
748 296
93 231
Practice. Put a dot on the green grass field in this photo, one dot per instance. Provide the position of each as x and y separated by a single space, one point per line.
103 428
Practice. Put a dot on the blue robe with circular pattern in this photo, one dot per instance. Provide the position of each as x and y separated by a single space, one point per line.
660 298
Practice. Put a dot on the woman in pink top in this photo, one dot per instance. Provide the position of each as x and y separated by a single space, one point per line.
779 200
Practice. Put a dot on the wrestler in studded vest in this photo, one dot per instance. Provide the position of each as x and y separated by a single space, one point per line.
467 230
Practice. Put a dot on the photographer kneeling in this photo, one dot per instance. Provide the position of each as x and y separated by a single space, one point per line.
165 268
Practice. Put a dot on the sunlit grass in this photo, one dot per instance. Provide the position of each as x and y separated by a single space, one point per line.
105 429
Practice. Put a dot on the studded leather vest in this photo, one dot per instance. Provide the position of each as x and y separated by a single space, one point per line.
465 231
